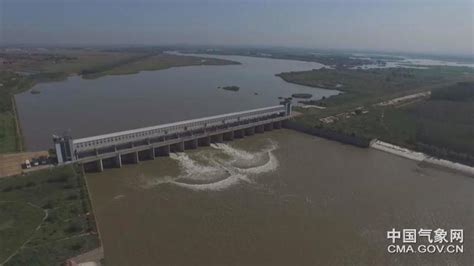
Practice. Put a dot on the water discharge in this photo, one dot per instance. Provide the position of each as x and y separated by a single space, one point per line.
304 201
211 172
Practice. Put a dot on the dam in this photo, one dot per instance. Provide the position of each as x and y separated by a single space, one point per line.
132 146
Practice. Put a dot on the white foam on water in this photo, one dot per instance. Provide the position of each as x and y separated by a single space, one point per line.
118 197
195 171
269 166
233 152
148 183
221 173
215 186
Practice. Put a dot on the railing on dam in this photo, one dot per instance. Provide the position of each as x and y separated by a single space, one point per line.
107 145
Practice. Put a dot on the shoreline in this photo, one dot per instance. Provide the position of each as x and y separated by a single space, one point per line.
91 257
383 146
421 157
49 77
19 132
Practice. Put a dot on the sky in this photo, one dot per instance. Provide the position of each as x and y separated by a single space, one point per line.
429 26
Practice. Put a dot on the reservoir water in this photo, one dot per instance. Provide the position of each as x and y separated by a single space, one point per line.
279 198
112 103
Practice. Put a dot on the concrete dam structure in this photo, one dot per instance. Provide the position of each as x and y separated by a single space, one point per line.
132 146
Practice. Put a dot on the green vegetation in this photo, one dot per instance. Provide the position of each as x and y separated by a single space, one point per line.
362 87
8 136
93 63
231 88
45 218
440 125
150 63
461 92
334 59
10 83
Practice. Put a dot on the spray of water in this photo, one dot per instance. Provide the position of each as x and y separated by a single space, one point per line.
217 174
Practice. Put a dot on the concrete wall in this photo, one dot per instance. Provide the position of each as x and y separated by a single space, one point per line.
177 147
217 138
206 141
229 136
139 153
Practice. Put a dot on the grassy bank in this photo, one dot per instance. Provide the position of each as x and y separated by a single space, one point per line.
362 87
11 84
8 136
150 63
440 125
45 218
338 60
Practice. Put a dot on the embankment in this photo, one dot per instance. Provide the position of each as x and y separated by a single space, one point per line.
421 157
329 134
380 145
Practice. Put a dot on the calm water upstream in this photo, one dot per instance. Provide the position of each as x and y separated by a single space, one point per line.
113 103
279 198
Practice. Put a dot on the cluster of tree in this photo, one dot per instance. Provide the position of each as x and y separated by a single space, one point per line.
444 153
37 57
460 92
343 137
105 67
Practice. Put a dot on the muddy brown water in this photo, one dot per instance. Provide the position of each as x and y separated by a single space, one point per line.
279 198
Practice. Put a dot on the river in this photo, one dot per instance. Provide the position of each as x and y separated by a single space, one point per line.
279 198
84 107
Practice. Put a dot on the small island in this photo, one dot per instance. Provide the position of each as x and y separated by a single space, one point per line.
302 95
231 88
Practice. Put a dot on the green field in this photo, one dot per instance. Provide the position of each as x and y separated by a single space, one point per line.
45 218
11 83
8 136
442 125
338 60
362 87
150 63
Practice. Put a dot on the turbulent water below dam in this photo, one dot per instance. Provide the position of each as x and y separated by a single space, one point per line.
279 198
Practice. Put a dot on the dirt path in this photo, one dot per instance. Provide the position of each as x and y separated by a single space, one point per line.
92 257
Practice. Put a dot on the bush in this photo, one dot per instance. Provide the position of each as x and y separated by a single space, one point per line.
462 91
72 197
76 246
59 179
51 218
68 186
7 189
73 228
48 205
30 184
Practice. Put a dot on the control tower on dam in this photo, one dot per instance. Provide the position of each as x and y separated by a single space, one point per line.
131 146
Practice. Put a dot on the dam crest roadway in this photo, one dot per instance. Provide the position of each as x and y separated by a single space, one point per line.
132 146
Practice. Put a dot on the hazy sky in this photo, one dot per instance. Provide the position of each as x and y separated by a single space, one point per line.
435 26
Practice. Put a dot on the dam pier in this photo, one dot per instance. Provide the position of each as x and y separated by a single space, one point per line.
132 146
